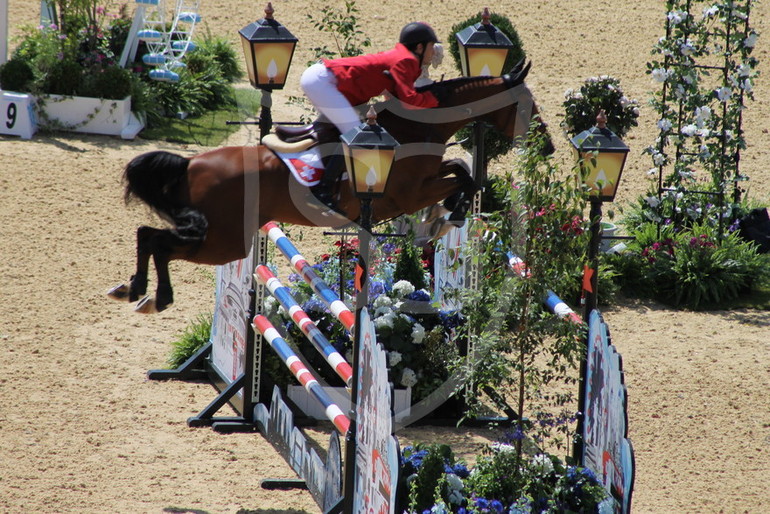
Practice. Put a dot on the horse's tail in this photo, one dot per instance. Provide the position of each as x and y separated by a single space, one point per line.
153 178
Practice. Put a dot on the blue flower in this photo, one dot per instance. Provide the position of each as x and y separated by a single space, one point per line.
461 470
388 248
497 506
419 296
294 277
482 503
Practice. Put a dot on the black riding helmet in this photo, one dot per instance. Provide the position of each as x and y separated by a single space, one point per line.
415 33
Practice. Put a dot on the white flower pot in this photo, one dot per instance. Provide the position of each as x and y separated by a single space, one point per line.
313 409
89 115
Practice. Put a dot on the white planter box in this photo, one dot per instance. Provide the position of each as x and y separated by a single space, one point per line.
313 409
89 115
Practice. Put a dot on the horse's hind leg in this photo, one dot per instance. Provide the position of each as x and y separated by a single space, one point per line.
137 285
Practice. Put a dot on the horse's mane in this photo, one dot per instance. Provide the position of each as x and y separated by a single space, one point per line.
445 90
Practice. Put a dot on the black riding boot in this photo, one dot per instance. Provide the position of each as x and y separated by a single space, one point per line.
325 190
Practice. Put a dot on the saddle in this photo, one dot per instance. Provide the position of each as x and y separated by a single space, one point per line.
290 139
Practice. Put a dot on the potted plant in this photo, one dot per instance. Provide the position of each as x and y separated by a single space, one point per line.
70 67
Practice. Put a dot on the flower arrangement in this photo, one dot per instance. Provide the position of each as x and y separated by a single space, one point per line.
75 54
690 268
413 332
582 105
501 482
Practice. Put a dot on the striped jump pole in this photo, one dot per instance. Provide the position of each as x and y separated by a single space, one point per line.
319 287
553 302
305 324
301 373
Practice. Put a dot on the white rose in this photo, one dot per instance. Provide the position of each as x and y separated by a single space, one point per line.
542 463
724 93
418 333
689 130
664 125
394 358
403 288
408 377
751 40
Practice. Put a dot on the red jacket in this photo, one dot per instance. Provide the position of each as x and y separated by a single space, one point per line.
361 78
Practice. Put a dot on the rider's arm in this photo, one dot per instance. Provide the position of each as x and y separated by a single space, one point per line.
404 73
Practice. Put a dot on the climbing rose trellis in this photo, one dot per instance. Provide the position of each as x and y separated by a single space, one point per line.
706 70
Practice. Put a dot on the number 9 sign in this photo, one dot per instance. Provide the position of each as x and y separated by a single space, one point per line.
17 115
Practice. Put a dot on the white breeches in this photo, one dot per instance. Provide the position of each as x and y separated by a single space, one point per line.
320 86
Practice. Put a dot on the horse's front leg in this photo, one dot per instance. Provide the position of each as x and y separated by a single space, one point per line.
459 202
137 285
165 245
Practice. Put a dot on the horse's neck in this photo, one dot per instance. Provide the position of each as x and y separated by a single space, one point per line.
472 100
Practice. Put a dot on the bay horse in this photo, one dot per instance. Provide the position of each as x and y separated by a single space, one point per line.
217 200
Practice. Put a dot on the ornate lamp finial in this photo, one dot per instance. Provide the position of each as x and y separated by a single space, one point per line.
269 11
601 119
485 16
371 116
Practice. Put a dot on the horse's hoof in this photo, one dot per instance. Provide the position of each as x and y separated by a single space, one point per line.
146 306
119 293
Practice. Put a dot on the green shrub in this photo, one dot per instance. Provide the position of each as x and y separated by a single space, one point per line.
16 75
192 339
113 83
223 54
689 268
496 144
63 78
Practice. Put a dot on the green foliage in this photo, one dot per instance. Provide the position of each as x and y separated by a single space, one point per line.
349 39
208 129
501 481
689 268
16 75
113 83
540 219
409 265
222 52
495 143
192 339
599 93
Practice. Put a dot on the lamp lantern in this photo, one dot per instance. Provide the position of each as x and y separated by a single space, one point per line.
602 156
369 153
483 48
268 47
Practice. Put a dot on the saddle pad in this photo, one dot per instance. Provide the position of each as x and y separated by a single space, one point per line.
306 166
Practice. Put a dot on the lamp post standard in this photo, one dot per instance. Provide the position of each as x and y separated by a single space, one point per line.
369 153
600 156
483 51
268 48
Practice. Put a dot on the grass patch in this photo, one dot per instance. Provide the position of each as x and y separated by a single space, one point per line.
194 337
211 128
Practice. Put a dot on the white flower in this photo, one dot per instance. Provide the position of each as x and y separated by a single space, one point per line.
456 497
652 172
382 301
660 74
454 482
677 17
502 448
704 152
724 93
689 130
744 70
418 333
664 125
394 358
270 305
403 288
385 321
702 115
751 40
542 464
747 86
408 377
568 94
687 48
659 159
652 201
708 12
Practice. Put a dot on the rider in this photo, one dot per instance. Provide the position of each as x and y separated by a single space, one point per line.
334 86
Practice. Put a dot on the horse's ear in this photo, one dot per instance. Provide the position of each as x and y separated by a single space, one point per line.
517 74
